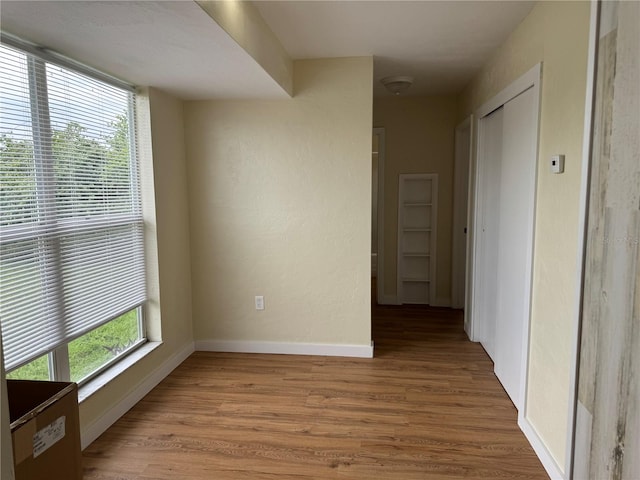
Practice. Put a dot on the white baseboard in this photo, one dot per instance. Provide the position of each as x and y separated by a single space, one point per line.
97 428
549 464
388 300
287 348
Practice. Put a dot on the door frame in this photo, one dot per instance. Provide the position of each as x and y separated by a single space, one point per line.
379 131
531 79
461 174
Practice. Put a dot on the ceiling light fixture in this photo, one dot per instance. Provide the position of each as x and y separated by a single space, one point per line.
397 83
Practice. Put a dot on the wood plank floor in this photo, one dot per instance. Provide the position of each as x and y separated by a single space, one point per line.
426 407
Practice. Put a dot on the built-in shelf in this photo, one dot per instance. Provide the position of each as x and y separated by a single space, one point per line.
417 214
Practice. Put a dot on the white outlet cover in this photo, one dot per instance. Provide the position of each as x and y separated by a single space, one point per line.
259 302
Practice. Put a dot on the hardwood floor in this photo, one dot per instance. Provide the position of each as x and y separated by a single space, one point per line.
427 406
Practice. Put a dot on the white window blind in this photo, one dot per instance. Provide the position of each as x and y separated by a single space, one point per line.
71 227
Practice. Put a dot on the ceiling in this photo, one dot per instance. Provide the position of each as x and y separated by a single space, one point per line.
176 46
171 45
442 44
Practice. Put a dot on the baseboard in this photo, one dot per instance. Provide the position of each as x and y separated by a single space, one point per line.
97 428
549 464
287 348
388 300
393 300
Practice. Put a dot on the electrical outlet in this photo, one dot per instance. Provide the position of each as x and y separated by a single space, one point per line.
259 302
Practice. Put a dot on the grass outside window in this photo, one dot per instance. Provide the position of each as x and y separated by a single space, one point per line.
92 352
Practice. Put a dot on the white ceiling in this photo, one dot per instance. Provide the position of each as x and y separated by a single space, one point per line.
440 43
172 45
176 46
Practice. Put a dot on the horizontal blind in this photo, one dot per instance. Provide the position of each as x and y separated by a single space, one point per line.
71 228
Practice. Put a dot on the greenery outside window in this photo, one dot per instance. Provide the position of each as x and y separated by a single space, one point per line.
72 282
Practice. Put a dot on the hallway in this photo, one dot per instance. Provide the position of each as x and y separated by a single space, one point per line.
427 406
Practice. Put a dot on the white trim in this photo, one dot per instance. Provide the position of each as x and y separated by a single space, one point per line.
526 331
286 348
471 213
475 197
460 197
98 427
540 449
582 238
524 82
380 260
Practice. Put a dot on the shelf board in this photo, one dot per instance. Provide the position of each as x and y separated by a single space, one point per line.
417 204
415 254
420 280
416 229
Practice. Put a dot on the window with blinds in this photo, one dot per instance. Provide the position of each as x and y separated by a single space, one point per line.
71 226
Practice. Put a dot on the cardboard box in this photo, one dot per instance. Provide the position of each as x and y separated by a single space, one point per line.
45 430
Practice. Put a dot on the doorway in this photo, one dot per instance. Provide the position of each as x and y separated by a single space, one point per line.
377 215
462 158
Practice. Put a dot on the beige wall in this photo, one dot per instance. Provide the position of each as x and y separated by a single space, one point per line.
555 33
280 198
419 136
171 311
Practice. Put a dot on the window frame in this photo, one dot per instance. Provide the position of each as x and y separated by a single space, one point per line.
37 59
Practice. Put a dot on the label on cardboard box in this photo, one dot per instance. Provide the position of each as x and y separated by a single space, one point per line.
48 436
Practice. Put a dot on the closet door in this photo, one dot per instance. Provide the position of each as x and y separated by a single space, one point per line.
487 229
517 196
504 236
417 233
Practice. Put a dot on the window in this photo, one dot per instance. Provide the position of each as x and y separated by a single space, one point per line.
72 280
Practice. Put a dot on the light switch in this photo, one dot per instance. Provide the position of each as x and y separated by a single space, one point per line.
557 163
259 302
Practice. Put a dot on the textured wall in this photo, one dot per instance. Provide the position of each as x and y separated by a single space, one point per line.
419 137
556 34
280 199
608 419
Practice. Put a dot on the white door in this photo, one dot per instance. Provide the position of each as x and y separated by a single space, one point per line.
501 256
504 235
487 229
517 193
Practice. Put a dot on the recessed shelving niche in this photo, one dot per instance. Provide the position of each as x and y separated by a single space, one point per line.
417 227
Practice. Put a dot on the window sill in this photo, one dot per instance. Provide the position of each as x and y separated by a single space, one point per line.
111 373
